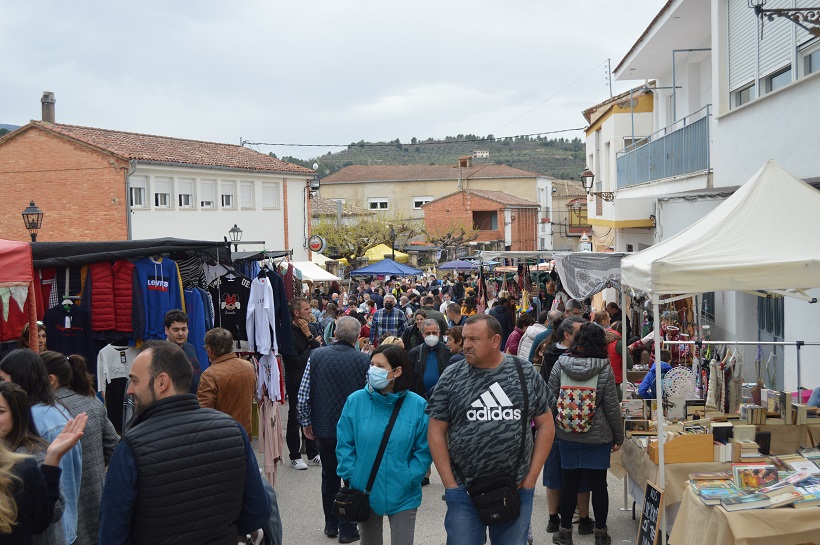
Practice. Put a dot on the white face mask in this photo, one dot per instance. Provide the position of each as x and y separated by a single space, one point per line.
431 340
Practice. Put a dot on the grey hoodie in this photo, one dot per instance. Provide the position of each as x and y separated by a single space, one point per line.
607 426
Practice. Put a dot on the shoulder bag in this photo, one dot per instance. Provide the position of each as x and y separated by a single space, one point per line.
354 505
495 497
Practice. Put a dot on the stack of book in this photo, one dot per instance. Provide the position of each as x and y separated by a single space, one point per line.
753 414
811 495
748 450
796 462
712 487
798 413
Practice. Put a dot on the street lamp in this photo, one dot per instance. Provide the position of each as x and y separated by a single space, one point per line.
587 180
392 235
314 183
235 235
33 220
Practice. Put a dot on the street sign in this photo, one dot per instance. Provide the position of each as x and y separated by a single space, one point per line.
317 244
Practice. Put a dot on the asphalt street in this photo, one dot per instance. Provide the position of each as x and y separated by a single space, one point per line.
300 505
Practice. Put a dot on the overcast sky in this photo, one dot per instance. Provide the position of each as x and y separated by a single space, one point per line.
315 72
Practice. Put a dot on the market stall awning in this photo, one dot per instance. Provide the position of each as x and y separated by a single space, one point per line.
386 267
66 254
16 262
583 274
313 272
377 253
763 237
457 265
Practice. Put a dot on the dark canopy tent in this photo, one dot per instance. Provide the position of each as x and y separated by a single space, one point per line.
66 254
385 267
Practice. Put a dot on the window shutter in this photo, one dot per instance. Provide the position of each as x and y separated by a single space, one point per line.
743 27
775 48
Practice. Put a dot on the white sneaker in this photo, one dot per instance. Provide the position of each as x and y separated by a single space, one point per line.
298 463
316 461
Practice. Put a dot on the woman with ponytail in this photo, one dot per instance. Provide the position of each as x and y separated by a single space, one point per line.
72 385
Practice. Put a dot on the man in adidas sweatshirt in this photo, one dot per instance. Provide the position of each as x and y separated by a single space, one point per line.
476 430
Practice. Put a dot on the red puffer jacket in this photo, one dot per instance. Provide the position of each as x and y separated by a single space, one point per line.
102 297
123 294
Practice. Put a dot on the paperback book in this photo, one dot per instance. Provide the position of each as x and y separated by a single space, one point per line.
745 501
753 476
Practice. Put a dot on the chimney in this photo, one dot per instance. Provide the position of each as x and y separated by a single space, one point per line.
48 106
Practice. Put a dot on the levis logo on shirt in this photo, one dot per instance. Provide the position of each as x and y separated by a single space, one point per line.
493 405
157 283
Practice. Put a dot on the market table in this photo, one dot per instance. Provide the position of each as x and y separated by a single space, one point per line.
699 524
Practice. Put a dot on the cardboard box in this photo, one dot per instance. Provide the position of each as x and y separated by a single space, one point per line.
684 449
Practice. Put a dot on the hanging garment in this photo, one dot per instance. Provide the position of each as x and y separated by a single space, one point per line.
208 307
268 378
123 271
161 291
196 326
113 365
191 271
101 294
270 438
735 383
711 393
284 333
231 294
260 318
68 329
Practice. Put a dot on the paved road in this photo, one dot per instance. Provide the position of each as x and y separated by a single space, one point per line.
299 494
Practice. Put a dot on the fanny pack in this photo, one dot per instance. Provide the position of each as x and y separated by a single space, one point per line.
354 505
495 497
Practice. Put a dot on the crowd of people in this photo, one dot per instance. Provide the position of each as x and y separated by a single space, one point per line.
383 382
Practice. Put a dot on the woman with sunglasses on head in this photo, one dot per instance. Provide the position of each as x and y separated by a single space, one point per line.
29 504
396 491
73 387
25 368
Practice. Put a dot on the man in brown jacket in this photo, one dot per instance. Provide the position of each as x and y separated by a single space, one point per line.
228 384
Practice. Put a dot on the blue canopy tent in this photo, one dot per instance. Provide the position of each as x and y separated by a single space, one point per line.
457 265
386 267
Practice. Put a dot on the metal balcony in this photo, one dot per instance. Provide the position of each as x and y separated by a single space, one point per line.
681 148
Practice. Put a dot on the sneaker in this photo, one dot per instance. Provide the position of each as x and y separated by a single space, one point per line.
563 536
330 531
316 461
529 536
349 539
553 527
602 537
298 463
586 527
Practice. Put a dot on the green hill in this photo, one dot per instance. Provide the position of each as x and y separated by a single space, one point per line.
560 158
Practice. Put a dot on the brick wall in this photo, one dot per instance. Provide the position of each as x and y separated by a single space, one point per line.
81 191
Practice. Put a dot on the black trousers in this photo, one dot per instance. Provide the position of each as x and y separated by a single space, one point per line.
293 432
331 483
569 495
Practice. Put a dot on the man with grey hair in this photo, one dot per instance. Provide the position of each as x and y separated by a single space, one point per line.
331 375
387 321
573 307
229 383
428 359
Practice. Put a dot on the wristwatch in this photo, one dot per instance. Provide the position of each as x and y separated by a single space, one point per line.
310 338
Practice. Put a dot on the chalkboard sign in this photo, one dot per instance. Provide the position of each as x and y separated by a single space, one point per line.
650 514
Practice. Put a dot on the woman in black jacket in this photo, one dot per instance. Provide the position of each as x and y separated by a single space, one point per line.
412 336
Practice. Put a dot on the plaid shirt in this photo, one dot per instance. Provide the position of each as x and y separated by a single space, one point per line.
392 322
303 404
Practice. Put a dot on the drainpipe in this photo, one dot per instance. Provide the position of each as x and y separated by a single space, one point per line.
132 167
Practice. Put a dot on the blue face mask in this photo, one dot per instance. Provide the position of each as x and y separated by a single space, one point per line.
377 377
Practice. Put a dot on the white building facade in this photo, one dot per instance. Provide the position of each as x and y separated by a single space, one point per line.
726 99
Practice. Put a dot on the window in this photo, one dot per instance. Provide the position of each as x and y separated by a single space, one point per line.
186 193
637 141
419 201
770 313
162 192
207 194
137 192
227 190
812 62
779 79
744 95
707 306
377 203
246 195
270 194
485 220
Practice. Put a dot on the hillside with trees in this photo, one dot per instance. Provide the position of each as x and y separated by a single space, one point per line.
557 157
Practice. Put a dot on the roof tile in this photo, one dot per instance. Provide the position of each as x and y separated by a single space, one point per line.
164 149
402 173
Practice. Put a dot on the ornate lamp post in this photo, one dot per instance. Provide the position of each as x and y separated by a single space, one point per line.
33 220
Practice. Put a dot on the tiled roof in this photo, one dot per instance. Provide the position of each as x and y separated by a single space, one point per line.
327 207
623 97
568 189
164 149
402 173
496 196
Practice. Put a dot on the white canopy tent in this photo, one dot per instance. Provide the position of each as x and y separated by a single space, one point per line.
311 272
747 243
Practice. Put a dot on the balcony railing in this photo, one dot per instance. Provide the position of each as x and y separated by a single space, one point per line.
681 148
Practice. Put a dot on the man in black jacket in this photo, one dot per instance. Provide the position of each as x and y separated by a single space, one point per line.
428 359
501 312
306 337
433 313
164 468
332 374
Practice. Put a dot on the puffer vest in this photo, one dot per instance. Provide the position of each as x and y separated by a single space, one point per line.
190 474
336 371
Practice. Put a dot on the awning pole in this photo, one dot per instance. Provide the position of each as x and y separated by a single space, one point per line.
656 307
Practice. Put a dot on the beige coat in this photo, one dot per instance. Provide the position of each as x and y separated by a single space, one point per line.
228 385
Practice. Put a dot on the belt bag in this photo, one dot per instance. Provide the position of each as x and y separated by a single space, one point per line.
495 498
354 505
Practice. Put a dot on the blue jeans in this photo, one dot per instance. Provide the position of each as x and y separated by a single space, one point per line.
465 528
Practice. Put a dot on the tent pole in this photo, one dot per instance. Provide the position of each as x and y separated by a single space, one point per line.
656 308
799 345
624 340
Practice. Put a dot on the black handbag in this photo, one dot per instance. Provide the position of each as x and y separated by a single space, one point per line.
354 505
495 497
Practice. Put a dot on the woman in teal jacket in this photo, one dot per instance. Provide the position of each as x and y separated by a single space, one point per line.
397 489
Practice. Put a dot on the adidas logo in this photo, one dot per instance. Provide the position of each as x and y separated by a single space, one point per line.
493 405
